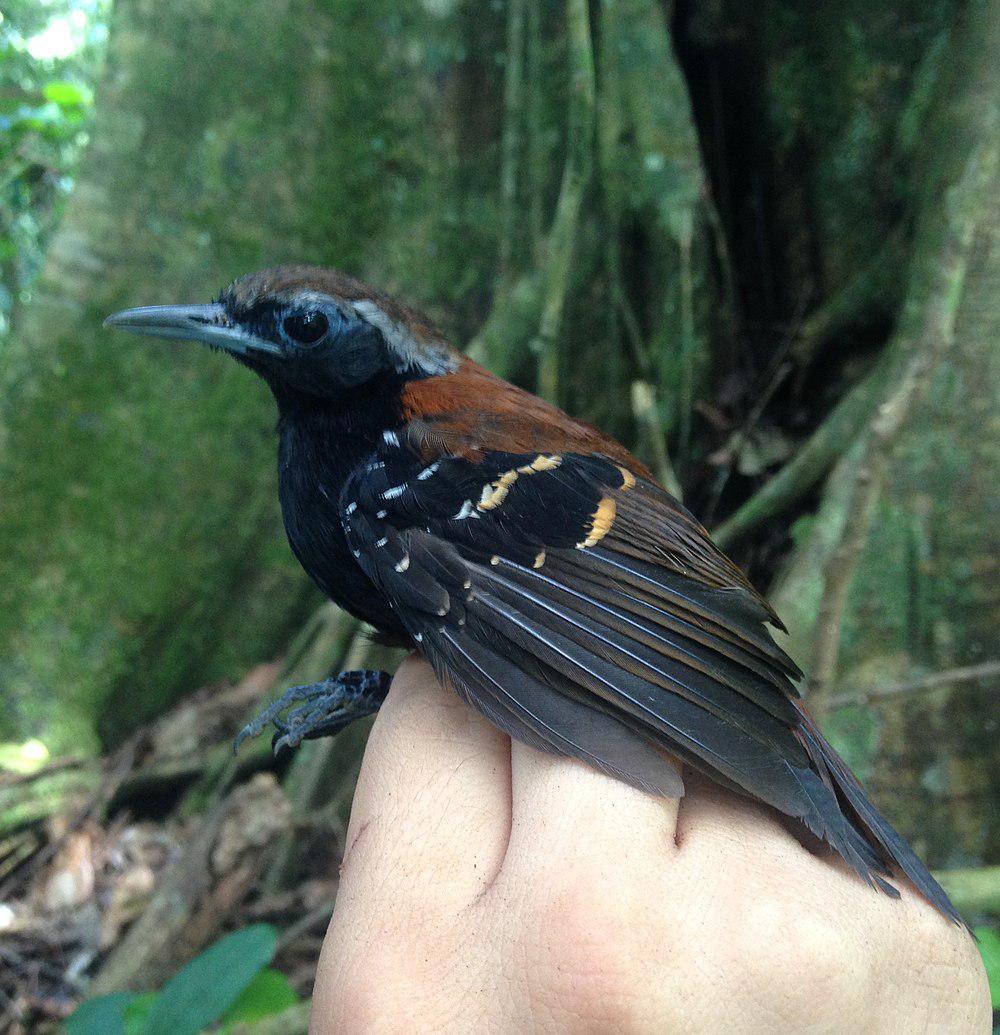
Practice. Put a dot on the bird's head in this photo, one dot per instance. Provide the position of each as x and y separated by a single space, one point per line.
305 329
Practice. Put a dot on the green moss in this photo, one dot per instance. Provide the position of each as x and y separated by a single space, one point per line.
140 539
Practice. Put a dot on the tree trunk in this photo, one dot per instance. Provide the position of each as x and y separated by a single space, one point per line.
140 538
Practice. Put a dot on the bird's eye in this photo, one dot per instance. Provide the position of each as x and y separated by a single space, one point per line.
306 328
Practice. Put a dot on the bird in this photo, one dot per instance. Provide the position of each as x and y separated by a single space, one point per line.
539 567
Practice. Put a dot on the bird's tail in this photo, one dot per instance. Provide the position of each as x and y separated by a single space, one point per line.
868 821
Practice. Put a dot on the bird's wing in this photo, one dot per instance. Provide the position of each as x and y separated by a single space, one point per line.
584 612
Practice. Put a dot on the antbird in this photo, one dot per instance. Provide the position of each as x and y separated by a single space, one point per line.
532 560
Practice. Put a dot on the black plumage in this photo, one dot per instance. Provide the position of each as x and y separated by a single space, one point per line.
534 562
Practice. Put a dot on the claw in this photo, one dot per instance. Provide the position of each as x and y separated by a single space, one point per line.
251 729
328 707
283 740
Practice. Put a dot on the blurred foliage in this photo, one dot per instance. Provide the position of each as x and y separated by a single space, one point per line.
50 55
229 983
989 949
151 470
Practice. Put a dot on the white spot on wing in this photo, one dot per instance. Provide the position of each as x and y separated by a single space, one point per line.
393 492
428 471
464 512
390 438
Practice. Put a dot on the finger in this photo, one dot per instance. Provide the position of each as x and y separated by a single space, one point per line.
711 815
584 821
732 834
431 812
731 846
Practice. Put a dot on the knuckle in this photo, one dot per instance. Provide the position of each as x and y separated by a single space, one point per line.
943 962
580 965
791 962
355 1001
384 988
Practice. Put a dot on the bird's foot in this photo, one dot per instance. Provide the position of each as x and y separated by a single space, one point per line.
326 708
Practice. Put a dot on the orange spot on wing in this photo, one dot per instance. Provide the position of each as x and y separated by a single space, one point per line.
493 497
600 523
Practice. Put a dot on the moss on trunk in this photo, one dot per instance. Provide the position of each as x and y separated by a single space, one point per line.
140 539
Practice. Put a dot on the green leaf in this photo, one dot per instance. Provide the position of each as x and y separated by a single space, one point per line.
137 1013
67 95
268 993
203 990
104 1015
989 949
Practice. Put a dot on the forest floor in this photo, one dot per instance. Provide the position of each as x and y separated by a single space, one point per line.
145 858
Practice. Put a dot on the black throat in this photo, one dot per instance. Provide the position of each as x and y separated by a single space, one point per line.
320 444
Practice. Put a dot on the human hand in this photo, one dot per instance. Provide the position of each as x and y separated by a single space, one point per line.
489 887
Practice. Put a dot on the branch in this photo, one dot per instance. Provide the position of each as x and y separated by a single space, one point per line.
963 160
163 920
535 147
652 174
57 765
813 459
878 285
949 677
527 310
839 573
647 417
511 144
576 174
119 766
972 891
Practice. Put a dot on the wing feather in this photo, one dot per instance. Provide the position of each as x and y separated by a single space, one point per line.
582 611
528 710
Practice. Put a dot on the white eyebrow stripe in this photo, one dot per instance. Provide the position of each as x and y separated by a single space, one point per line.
429 356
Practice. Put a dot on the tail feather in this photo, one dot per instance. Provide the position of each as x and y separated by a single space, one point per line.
891 849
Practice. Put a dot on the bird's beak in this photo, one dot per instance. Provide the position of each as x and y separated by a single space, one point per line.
210 324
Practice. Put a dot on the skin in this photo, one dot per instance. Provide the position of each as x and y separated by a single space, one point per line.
490 888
